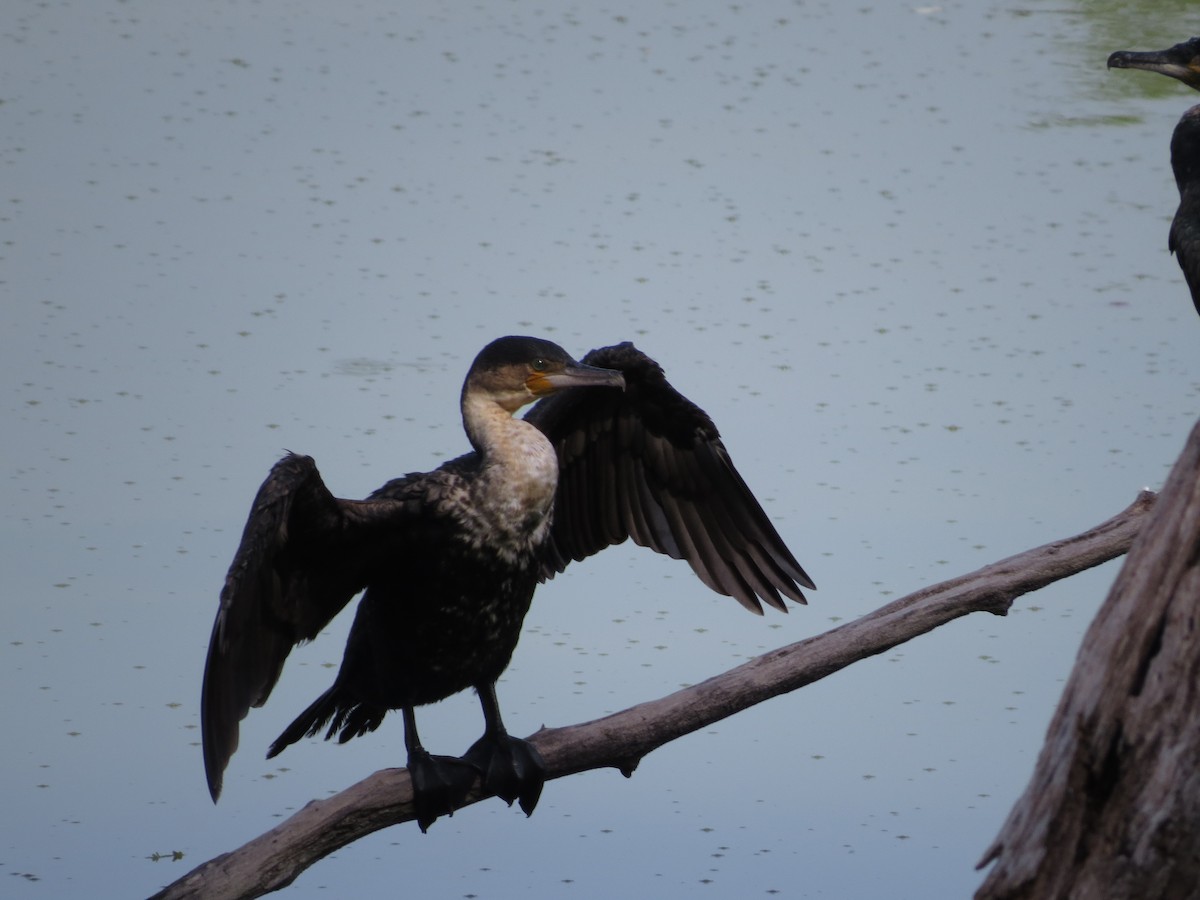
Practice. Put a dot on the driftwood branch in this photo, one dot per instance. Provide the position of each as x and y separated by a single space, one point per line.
1113 808
277 857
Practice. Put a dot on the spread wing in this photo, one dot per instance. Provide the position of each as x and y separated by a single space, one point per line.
648 463
304 554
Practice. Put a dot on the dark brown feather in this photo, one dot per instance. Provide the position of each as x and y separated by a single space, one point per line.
304 554
648 463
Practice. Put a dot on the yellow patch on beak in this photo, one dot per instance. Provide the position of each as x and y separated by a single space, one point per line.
538 384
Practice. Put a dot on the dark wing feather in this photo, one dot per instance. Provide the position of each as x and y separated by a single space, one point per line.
304 554
1184 240
648 463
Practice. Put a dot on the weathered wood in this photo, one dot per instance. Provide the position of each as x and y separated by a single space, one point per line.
274 859
1113 808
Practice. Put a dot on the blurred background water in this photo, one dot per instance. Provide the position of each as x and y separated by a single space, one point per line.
911 258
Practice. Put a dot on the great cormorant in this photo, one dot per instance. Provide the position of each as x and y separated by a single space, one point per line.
1181 62
450 558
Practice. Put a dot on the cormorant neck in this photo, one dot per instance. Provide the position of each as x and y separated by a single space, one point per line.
512 493
1185 149
487 420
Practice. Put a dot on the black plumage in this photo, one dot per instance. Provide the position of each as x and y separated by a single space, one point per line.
1181 62
450 558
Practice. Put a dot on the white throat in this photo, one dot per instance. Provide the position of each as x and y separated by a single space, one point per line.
514 494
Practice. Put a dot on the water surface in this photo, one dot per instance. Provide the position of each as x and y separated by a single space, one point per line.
911 258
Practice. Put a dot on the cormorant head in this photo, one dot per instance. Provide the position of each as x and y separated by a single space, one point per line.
1181 62
514 371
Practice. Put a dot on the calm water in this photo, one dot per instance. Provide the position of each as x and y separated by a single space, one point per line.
911 258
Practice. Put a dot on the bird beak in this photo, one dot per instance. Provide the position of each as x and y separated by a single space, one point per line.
575 375
1165 62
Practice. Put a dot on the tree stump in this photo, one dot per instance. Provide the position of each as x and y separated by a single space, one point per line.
1113 808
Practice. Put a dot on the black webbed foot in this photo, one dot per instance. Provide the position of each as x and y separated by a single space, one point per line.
512 768
440 784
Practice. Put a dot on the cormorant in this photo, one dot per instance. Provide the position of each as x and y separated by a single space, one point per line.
1181 62
450 558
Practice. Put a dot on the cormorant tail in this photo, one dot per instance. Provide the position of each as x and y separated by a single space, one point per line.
342 714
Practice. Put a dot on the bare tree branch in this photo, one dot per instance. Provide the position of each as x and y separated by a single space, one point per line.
1113 808
277 857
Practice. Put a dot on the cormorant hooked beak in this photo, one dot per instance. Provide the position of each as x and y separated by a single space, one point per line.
1181 62
573 375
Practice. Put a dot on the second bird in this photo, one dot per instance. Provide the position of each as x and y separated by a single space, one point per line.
1181 62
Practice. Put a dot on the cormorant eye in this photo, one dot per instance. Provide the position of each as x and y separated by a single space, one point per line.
538 365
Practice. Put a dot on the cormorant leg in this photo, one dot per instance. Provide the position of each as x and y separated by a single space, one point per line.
440 783
512 768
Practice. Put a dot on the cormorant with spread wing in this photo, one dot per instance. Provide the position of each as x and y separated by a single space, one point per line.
450 558
1181 62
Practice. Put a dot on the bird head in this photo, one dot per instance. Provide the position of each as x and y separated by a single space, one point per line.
1181 62
514 371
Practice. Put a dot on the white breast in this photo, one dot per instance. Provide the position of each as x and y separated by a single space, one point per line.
512 500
